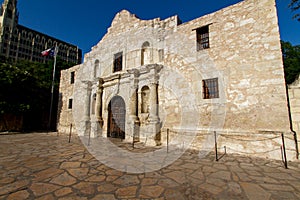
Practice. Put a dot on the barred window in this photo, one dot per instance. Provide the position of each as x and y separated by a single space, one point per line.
118 62
202 38
210 88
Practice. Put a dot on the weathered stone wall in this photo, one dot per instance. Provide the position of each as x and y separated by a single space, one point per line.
244 55
66 92
294 100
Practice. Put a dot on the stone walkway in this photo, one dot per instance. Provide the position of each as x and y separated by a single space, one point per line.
45 166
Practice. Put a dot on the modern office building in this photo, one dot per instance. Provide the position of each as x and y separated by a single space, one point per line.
18 42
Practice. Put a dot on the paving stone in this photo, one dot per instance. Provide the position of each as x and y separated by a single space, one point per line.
168 183
234 187
80 173
64 191
243 176
13 187
217 182
47 197
151 191
47 173
235 177
253 173
67 171
126 192
178 176
111 178
254 192
6 180
39 189
104 197
225 175
219 165
277 195
263 179
96 178
191 166
211 188
209 169
127 180
86 188
64 179
149 181
70 165
275 187
171 194
23 194
198 174
106 188
73 197
282 176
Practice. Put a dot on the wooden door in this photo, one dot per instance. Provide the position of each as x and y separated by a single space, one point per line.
116 118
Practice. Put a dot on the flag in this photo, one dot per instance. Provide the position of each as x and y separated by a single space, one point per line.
49 52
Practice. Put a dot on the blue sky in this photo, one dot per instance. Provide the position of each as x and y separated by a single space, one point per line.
84 23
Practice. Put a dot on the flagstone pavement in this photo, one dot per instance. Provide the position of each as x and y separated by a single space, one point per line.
46 166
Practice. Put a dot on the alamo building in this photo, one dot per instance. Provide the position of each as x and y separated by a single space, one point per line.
218 75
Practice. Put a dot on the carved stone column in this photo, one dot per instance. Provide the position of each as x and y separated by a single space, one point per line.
154 121
97 123
99 103
87 101
134 119
153 115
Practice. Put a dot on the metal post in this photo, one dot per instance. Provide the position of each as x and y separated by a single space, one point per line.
89 138
216 145
70 133
167 140
284 152
133 142
52 89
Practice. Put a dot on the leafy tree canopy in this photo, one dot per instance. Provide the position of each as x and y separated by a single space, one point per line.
291 61
295 5
26 86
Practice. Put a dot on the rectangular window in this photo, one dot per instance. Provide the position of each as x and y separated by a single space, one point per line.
202 38
70 105
118 62
210 88
72 77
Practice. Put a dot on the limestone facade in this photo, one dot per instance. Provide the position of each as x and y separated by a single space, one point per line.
221 73
294 103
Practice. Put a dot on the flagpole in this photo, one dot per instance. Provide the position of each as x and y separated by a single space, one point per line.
52 89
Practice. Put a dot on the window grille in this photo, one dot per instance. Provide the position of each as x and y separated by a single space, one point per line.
202 38
210 88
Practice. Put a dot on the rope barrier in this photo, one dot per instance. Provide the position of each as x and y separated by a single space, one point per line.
249 140
258 138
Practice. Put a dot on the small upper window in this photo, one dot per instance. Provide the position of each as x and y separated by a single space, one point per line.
202 38
210 88
96 68
70 105
118 62
72 77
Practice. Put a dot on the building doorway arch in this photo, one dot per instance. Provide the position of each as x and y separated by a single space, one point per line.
116 118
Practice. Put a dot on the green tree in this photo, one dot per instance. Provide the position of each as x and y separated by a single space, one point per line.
291 61
25 90
295 5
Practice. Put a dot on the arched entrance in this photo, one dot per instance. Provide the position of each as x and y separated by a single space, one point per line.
116 118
